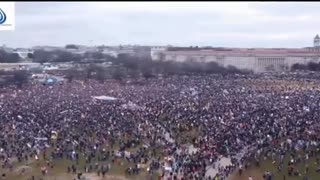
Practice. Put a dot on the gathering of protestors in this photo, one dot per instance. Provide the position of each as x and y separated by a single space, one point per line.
161 119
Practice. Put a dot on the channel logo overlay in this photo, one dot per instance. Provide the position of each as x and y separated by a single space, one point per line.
7 16
3 16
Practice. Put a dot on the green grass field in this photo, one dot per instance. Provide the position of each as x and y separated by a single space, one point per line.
257 173
59 171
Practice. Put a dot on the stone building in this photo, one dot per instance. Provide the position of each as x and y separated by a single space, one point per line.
256 59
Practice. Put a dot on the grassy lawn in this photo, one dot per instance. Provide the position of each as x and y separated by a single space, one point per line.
257 173
59 171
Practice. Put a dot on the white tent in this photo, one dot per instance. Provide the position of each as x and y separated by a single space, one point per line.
105 98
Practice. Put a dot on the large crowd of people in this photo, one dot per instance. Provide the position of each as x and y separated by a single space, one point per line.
219 116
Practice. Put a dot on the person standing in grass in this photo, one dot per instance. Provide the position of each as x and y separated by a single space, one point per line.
240 170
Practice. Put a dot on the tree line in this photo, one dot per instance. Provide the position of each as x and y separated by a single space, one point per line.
43 56
17 77
311 66
123 67
134 68
6 57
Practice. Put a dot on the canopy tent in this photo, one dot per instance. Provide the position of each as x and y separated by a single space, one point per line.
51 80
105 98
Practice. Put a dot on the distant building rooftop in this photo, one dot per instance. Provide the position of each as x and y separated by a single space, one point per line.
243 50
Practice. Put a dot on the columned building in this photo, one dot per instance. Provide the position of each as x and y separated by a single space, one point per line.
256 59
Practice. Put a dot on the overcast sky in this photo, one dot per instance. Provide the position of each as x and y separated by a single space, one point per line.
222 24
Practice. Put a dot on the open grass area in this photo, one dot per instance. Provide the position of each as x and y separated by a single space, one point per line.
59 170
257 172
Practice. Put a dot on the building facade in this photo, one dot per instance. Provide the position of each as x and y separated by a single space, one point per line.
255 59
136 51
23 53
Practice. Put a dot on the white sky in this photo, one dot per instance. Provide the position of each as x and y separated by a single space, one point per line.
232 24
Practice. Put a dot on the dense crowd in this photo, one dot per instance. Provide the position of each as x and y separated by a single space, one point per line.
160 118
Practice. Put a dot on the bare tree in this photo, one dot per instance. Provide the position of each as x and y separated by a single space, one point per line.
42 56
20 77
9 57
71 74
118 74
100 75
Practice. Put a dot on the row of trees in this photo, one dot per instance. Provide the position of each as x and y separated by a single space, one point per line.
92 71
311 66
147 66
6 57
42 56
185 68
124 66
134 68
18 77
